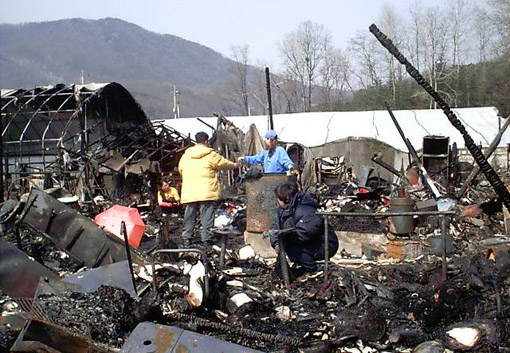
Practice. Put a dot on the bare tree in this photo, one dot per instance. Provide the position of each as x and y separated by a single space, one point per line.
333 74
240 56
484 34
287 96
501 19
457 18
390 22
364 52
415 33
303 51
435 45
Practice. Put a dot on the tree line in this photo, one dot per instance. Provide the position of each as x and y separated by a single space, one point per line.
461 48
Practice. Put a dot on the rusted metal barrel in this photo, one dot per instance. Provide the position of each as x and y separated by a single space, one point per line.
402 224
261 203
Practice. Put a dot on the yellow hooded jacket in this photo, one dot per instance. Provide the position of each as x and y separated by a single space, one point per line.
199 166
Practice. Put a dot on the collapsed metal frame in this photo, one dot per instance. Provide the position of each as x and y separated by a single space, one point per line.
49 94
441 214
46 125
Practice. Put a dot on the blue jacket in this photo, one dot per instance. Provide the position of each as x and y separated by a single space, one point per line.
309 226
276 162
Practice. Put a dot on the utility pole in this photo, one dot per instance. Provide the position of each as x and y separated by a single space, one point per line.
176 109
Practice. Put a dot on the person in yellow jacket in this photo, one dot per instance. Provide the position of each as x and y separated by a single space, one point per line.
199 167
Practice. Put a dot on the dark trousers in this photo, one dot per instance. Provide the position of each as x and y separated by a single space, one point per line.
206 209
307 254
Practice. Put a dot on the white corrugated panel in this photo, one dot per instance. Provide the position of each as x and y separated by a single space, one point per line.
313 129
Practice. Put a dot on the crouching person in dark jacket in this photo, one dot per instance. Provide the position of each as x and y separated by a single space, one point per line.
305 244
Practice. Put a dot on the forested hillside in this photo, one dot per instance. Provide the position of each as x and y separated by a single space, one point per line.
148 64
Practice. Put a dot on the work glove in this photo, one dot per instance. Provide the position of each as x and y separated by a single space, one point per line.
291 171
270 233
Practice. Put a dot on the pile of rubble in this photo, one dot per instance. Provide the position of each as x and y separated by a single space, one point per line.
364 302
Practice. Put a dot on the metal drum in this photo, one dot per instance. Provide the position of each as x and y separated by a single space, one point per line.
261 202
402 224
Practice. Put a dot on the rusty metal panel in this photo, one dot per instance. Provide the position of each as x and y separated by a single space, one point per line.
39 336
74 233
19 274
261 202
404 249
148 337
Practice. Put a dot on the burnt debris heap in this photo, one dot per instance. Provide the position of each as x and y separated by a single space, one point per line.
418 269
475 151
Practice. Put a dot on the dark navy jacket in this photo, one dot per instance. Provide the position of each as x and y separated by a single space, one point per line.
309 227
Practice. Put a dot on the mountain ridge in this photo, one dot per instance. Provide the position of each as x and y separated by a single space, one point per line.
112 50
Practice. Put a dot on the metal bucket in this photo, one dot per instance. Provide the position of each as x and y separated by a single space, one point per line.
261 202
402 224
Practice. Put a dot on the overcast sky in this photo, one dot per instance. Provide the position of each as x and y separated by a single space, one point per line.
218 24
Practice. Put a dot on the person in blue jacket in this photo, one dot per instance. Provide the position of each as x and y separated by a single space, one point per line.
275 159
305 244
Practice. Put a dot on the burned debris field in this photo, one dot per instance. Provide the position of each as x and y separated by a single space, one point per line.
91 260
365 304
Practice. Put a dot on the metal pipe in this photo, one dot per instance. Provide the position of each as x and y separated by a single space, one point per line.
269 103
209 126
388 214
427 181
388 167
223 244
283 261
444 230
326 248
31 97
488 153
128 253
1 161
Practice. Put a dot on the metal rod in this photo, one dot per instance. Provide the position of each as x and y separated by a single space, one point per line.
488 153
1 160
208 125
283 261
269 102
326 248
128 253
427 181
388 167
444 230
387 214
17 231
25 211
44 111
223 244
